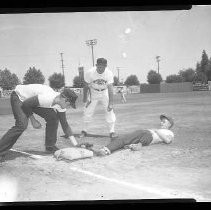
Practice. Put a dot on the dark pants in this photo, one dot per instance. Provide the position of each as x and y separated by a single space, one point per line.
21 123
140 136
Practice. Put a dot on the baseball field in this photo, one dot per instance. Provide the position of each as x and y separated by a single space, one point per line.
178 170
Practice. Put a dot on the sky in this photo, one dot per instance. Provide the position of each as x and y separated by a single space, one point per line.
129 40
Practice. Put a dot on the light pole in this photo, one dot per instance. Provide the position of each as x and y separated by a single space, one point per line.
118 69
158 60
91 43
62 67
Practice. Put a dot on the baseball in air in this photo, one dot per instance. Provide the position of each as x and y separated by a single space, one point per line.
124 55
127 30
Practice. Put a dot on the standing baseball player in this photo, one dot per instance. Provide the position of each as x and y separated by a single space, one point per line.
143 137
122 93
45 102
99 88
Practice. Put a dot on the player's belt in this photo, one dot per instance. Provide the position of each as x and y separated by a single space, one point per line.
99 89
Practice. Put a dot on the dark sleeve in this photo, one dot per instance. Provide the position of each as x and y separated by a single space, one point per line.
29 104
65 126
85 91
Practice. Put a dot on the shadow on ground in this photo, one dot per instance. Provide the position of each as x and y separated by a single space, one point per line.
91 135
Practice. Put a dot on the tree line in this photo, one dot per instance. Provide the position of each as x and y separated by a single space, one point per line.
8 81
202 74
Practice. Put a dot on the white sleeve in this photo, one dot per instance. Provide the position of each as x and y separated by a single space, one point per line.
166 135
58 108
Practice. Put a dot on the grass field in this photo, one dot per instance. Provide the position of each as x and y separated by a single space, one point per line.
179 170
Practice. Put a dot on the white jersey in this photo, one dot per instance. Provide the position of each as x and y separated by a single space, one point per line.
99 81
159 135
45 94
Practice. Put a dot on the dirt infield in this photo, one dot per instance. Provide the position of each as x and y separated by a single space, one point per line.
179 170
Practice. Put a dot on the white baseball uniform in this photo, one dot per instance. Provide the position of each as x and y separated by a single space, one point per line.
98 84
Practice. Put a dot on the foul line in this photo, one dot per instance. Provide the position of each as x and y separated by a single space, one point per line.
163 192
29 154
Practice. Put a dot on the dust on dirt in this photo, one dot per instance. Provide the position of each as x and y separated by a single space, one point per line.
179 170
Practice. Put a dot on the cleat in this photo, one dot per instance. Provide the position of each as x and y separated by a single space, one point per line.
51 149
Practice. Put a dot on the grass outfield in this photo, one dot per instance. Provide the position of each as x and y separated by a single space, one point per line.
181 169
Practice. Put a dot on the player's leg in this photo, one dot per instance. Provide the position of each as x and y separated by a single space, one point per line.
52 122
21 123
126 139
87 116
124 99
123 140
109 116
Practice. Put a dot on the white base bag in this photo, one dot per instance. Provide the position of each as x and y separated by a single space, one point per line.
73 153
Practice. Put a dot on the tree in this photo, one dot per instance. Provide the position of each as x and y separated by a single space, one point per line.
187 75
200 77
33 76
132 80
153 77
198 67
203 69
78 82
116 81
56 81
208 71
8 81
204 62
174 78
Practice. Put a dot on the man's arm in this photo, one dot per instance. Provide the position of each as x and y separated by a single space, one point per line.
111 97
29 104
35 123
166 138
27 108
66 128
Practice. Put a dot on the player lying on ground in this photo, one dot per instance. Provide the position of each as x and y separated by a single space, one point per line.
45 102
143 137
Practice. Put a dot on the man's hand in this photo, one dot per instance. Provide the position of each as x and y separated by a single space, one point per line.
65 136
85 145
86 104
72 139
109 108
35 123
134 147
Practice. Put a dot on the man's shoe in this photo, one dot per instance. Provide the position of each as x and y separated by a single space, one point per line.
101 152
51 149
113 135
83 134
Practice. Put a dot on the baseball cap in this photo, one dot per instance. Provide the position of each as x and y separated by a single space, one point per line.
71 96
101 61
168 118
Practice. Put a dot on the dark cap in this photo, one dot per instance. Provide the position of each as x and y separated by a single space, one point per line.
101 61
71 96
168 118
